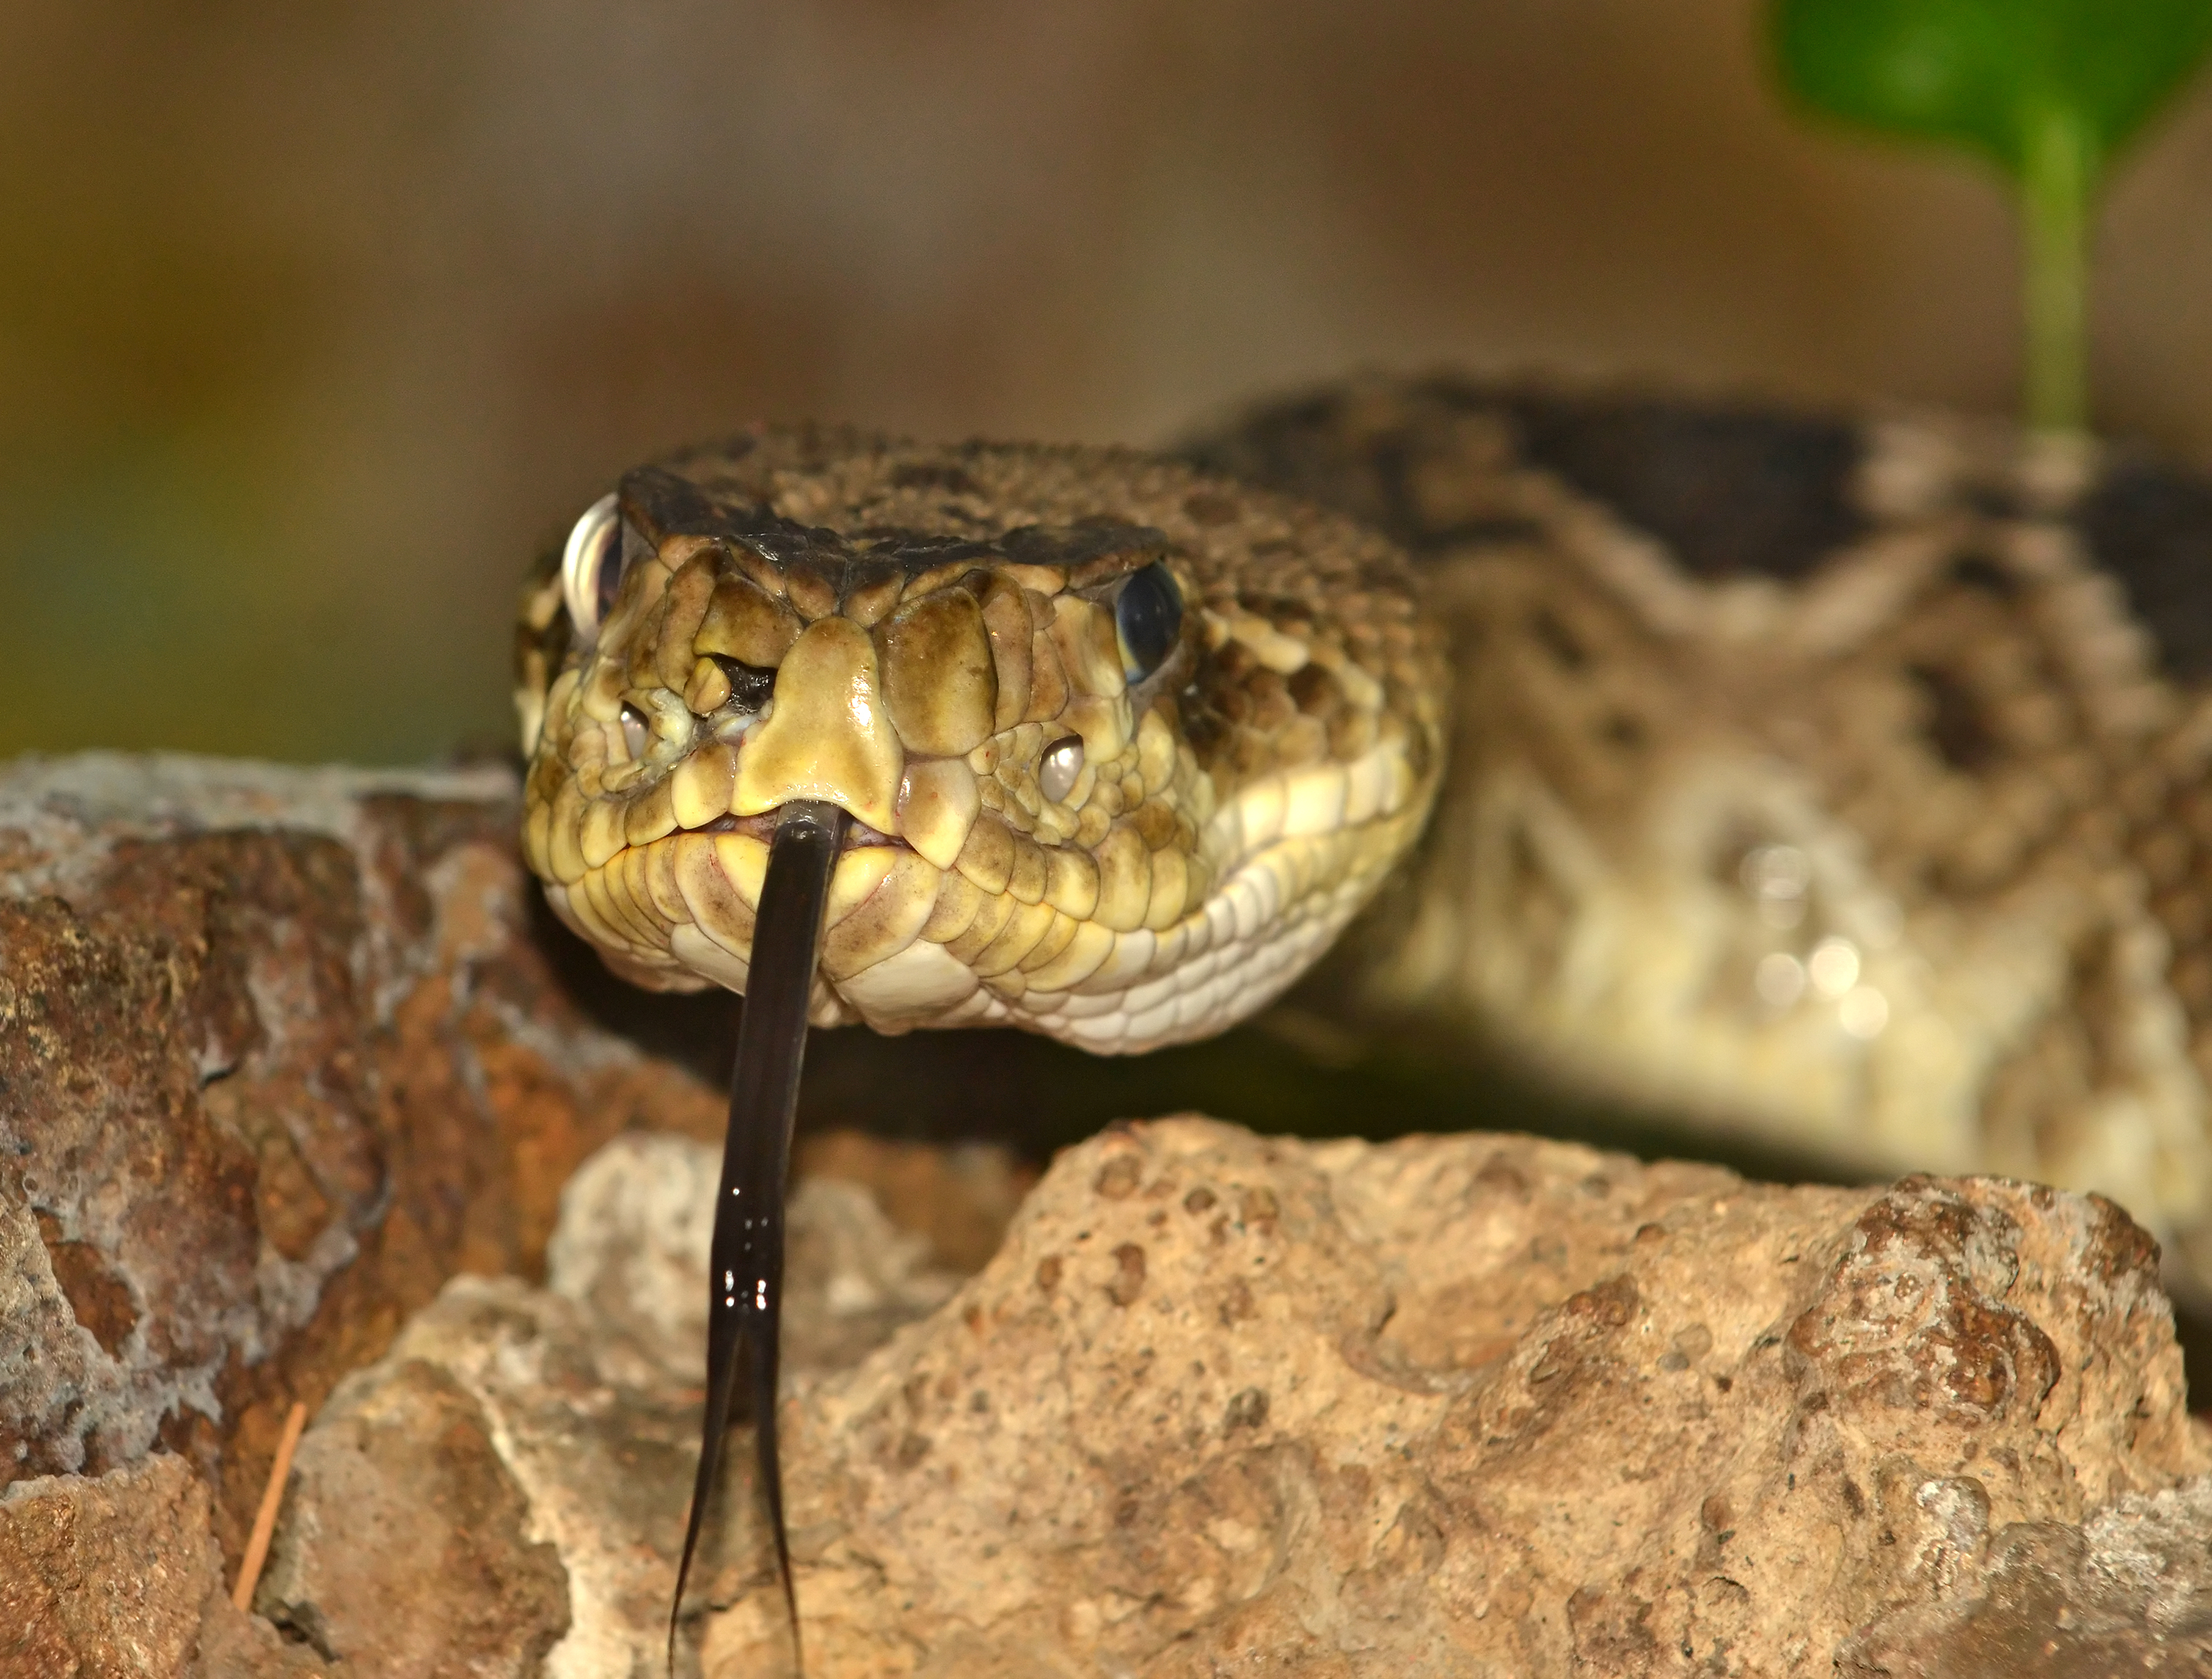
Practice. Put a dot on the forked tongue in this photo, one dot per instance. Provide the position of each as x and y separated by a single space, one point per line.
744 1303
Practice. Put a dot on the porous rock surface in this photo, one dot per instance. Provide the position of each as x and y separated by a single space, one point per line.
279 1055
114 1575
1459 1405
533 1449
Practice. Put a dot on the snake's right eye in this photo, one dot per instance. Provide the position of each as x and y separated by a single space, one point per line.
1147 619
592 567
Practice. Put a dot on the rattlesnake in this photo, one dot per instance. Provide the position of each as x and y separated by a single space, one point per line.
1843 782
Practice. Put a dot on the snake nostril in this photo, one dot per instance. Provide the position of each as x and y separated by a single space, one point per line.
750 685
1057 770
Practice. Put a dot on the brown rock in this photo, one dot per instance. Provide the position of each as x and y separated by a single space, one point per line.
1448 1404
277 1055
117 1577
410 1550
105 1577
1468 1401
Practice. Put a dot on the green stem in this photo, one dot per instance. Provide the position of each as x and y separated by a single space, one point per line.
2059 171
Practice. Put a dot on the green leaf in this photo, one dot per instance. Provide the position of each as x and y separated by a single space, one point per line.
1988 74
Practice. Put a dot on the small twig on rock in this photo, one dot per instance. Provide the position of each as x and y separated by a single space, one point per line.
265 1519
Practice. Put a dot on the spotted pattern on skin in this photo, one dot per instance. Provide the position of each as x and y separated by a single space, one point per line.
1843 781
909 631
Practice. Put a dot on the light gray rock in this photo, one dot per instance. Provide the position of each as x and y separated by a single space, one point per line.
1219 1404
578 1404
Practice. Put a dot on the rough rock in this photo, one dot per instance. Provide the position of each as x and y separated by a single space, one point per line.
117 1577
515 1470
2127 1592
277 1055
281 1050
104 1576
1464 1404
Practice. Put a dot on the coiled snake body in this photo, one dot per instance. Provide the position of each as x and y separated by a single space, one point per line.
1843 782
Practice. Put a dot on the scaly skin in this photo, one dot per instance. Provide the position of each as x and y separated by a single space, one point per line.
929 623
1842 781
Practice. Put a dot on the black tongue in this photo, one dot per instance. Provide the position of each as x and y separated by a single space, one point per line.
745 1283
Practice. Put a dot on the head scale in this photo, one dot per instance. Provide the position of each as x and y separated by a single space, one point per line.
1123 747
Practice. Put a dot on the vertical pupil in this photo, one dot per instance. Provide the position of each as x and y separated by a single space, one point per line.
1149 618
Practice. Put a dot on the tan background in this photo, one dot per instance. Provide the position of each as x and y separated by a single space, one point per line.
314 320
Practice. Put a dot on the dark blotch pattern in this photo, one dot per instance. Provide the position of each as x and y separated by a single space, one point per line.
1730 490
2151 527
1954 721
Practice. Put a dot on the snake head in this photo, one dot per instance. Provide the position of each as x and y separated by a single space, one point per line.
1122 748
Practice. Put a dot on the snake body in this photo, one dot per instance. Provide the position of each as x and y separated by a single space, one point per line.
1839 781
1843 782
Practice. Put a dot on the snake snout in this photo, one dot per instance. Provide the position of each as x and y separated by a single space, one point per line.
825 736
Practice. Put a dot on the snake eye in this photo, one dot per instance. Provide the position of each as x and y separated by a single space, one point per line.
1148 618
1057 770
592 567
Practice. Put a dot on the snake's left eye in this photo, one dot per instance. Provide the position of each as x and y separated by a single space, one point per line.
1147 619
592 567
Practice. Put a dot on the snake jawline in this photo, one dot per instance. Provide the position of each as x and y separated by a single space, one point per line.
745 1307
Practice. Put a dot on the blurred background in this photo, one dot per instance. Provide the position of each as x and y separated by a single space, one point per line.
316 322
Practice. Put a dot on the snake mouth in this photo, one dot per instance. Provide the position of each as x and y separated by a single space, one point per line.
763 824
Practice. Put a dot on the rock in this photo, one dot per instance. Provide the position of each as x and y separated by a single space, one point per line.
2127 1592
279 1055
281 1050
104 1576
526 1454
117 1577
411 1549
1447 1404
632 1244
